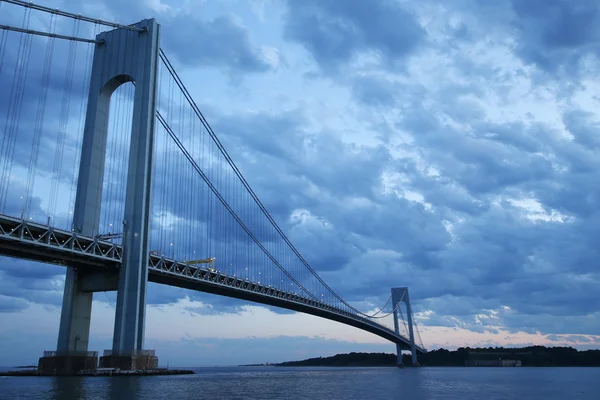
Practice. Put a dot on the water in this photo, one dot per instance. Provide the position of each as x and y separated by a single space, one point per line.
321 383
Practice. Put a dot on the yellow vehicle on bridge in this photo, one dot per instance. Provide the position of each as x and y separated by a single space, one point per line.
210 261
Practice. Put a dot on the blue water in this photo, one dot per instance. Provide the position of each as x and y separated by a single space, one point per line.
321 384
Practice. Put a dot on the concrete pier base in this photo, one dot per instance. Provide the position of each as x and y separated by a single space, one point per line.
408 365
141 361
53 364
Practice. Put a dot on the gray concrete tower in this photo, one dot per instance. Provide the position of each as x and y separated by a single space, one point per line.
400 295
124 56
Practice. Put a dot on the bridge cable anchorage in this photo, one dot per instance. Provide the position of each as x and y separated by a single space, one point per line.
72 15
47 34
165 125
199 114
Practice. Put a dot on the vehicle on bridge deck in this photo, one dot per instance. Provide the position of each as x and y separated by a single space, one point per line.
210 261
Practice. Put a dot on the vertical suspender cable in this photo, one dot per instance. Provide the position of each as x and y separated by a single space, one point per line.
14 111
39 120
62 129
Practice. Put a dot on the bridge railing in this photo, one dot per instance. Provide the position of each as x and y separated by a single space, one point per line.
48 353
144 353
32 243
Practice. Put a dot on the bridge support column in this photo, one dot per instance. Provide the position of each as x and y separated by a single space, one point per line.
399 361
75 317
123 56
129 56
72 353
400 295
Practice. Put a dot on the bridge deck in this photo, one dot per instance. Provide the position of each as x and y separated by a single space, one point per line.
38 242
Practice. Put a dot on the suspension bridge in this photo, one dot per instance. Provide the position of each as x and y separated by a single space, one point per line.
109 168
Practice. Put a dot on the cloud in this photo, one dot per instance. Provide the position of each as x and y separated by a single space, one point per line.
340 32
556 36
454 152
10 304
24 281
222 42
374 91
208 340
557 33
196 34
188 351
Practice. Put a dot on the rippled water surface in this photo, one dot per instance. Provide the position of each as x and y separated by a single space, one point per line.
321 383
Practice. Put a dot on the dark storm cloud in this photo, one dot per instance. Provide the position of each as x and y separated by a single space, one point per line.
534 268
364 241
221 29
115 204
339 31
350 172
501 257
163 295
584 128
221 42
557 33
11 304
558 36
374 91
22 281
283 139
382 222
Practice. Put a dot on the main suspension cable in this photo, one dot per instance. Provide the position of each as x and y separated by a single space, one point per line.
170 132
230 161
47 34
71 15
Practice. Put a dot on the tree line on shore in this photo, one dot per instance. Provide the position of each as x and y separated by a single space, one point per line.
532 356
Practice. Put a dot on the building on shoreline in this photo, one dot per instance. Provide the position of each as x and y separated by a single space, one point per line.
493 363
494 359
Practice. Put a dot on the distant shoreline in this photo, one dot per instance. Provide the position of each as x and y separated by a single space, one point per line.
533 356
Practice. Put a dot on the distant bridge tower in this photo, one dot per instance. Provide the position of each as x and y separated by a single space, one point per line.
400 295
125 55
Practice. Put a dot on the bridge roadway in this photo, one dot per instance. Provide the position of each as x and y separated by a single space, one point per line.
38 242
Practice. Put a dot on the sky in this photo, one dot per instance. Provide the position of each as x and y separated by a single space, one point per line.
449 146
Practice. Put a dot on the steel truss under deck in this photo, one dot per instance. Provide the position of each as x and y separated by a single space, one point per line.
33 241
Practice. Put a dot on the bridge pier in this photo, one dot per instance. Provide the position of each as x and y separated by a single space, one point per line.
75 317
400 295
123 56
72 353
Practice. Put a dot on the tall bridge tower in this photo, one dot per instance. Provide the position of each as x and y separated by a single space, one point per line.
399 296
131 54
127 54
